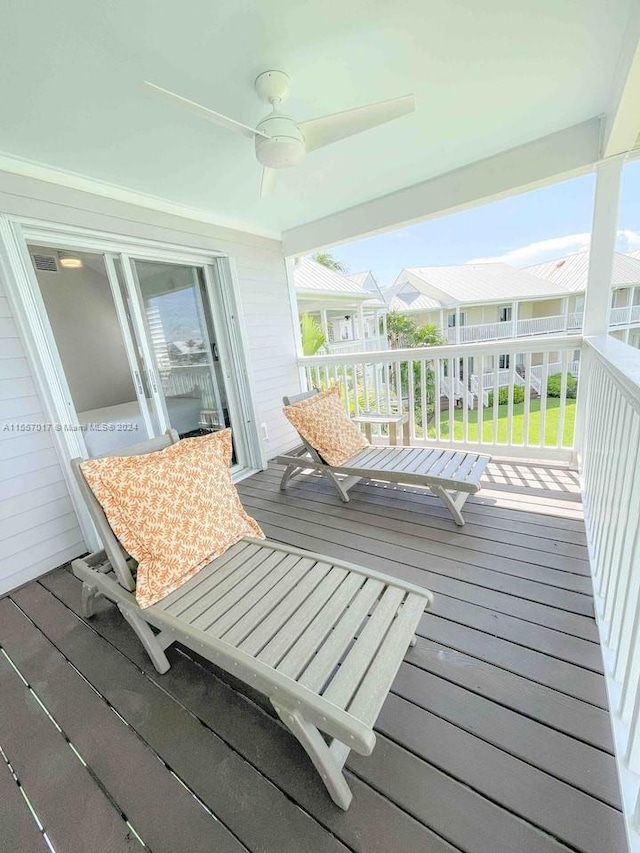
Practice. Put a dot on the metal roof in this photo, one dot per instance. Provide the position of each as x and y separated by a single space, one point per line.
572 271
471 284
311 277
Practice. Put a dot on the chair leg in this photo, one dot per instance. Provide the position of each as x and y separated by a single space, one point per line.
89 596
326 763
453 503
289 472
152 642
337 485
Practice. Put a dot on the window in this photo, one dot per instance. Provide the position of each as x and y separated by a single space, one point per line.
505 313
451 321
503 362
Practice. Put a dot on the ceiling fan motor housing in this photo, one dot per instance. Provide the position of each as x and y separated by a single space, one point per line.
285 147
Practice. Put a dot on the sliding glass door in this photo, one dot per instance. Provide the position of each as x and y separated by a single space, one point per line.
137 344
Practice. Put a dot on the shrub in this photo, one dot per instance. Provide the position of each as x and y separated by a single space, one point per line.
554 385
503 395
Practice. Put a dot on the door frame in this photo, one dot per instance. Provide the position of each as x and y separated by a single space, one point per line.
222 285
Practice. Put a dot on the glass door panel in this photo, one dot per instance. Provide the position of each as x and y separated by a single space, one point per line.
182 337
96 352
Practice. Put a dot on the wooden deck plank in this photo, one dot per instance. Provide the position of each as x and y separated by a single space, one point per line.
494 738
367 498
344 534
554 569
585 767
164 813
18 828
73 809
464 586
371 825
560 809
217 775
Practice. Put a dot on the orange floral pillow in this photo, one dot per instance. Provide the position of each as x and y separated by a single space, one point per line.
324 423
174 511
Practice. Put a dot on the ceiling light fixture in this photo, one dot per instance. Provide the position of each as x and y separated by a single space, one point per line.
70 261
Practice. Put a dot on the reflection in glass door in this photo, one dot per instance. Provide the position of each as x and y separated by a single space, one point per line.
98 355
182 335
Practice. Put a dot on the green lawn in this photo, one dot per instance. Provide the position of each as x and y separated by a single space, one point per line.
552 422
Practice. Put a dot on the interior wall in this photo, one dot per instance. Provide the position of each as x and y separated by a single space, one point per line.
85 325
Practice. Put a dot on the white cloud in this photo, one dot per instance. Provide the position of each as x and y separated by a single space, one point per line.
555 247
544 250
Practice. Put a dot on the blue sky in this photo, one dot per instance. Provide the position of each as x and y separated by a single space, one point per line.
522 230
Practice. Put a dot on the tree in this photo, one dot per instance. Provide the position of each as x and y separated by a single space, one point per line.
312 337
427 335
327 260
400 330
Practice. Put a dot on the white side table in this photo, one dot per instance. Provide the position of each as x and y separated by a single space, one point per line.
393 421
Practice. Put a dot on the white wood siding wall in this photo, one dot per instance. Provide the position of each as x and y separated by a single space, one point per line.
38 527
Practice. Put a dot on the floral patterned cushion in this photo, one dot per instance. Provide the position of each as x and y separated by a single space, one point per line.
173 511
323 422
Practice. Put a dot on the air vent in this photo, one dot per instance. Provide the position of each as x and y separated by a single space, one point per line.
45 263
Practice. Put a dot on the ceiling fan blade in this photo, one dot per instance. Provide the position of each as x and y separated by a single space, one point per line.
205 112
269 181
319 132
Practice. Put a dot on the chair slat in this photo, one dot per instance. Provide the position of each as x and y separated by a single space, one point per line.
281 642
269 627
364 650
262 600
299 655
323 664
466 467
379 678
209 577
452 465
224 596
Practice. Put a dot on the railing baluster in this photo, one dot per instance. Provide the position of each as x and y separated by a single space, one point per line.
438 366
480 402
424 407
527 401
452 379
465 399
496 395
564 361
543 397
510 391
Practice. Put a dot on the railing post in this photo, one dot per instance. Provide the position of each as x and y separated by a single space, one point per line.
597 306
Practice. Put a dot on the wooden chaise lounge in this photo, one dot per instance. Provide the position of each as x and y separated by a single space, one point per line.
322 639
451 475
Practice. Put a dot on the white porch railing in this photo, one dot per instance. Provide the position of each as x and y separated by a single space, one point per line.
557 324
521 420
357 345
609 460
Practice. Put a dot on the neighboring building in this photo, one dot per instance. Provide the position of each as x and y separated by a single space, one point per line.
482 302
571 273
479 302
349 309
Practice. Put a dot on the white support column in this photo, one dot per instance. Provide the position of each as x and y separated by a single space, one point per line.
443 329
514 319
597 304
565 311
361 333
384 328
324 325
457 324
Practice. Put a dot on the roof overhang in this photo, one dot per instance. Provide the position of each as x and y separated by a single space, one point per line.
564 154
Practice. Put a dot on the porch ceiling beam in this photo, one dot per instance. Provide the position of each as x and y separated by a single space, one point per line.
622 125
527 166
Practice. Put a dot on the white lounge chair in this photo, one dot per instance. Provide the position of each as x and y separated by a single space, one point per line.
322 639
451 475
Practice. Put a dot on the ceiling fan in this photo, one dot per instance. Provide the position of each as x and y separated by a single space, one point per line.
281 142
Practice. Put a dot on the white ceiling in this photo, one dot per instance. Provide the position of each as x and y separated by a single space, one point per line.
487 76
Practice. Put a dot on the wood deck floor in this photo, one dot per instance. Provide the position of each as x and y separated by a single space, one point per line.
494 739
